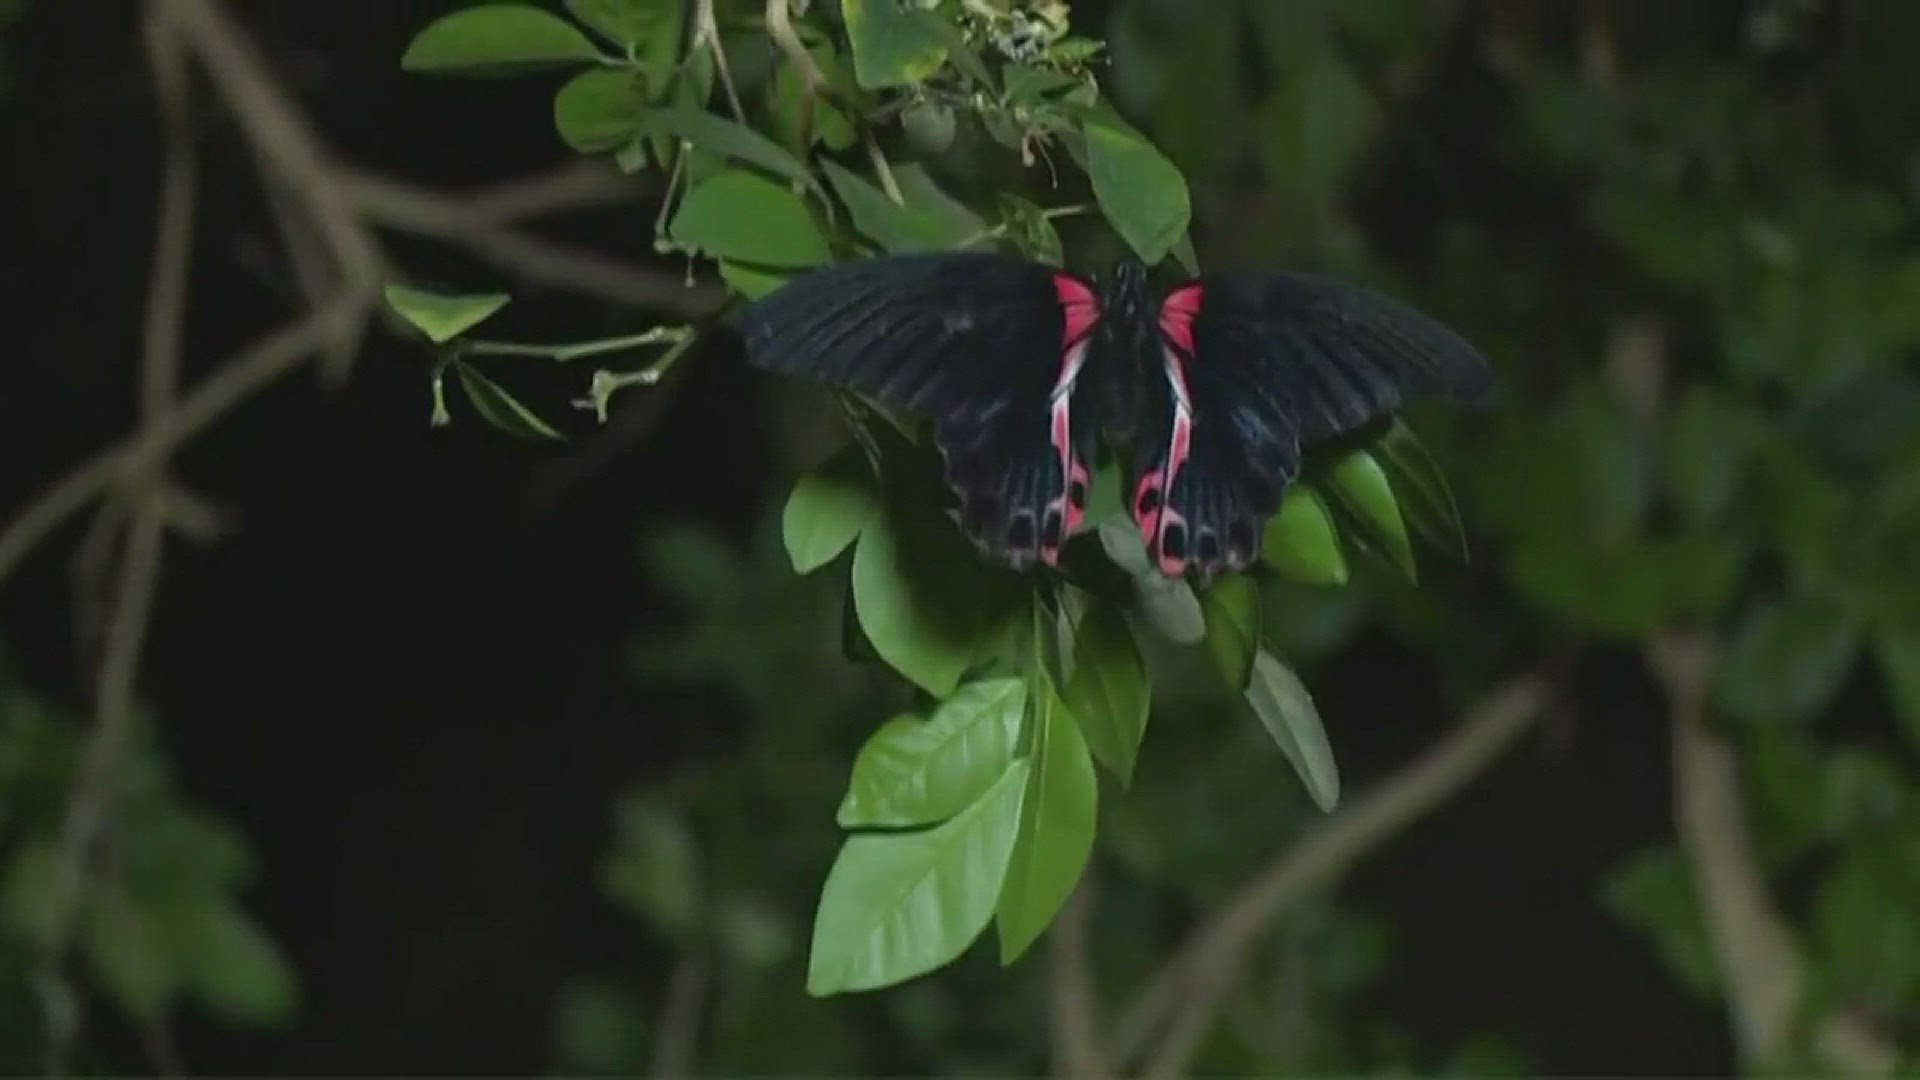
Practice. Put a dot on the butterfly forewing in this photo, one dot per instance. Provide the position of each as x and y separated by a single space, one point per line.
987 347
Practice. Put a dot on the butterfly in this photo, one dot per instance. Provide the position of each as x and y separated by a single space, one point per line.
1207 391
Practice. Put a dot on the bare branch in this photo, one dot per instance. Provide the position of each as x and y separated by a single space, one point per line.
1192 985
680 1018
1076 1009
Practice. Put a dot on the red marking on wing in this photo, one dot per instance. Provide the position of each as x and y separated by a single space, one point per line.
1148 520
1077 301
1169 565
1075 511
1177 313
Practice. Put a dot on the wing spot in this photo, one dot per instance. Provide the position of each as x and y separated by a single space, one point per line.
1149 501
1020 531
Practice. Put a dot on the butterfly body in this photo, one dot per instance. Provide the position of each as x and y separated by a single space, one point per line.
1030 374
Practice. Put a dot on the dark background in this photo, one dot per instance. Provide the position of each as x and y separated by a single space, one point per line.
403 675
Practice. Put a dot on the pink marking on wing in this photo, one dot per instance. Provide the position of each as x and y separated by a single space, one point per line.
1149 521
1177 313
1076 301
1077 474
1169 565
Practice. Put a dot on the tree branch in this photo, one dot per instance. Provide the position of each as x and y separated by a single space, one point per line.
680 1018
1076 1009
1191 986
1754 948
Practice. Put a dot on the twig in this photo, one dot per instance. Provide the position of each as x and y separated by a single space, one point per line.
1075 1027
1192 985
1753 947
706 33
96 780
680 1017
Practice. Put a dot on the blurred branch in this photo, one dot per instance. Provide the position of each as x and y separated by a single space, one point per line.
1188 992
1075 1027
680 1018
1753 946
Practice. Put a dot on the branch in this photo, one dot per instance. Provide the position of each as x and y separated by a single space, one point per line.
1192 985
1753 946
1075 1027
680 1017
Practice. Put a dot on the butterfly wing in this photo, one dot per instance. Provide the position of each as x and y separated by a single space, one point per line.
1255 366
986 346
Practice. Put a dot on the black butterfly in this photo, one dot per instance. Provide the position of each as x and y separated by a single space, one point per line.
1209 390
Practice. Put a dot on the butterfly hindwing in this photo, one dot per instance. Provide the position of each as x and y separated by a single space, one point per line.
988 347
1255 367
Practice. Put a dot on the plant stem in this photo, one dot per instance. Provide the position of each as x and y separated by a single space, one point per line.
575 350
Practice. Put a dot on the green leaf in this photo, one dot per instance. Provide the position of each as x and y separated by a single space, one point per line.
654 871
828 508
600 109
1108 692
1863 916
631 22
923 193
1360 483
787 101
440 316
1898 650
1787 660
1056 828
1167 603
127 958
918 772
497 39
725 138
897 228
1653 891
1232 609
1421 489
930 125
500 408
909 587
893 45
1284 705
899 905
743 216
1301 539
1141 192
752 282
232 966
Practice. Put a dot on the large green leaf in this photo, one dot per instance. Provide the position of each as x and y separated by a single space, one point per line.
893 44
924 193
828 508
920 605
600 109
497 39
739 215
898 228
1108 692
898 905
1362 485
1056 827
1141 192
1284 705
441 316
725 138
919 772
651 28
1300 539
1232 609
1787 660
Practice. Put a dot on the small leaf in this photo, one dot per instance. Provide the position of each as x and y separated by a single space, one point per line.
893 45
743 216
1898 650
1421 489
1057 820
1301 539
1168 603
500 408
440 316
497 39
654 872
725 138
752 282
1363 486
827 509
233 966
1109 693
127 958
899 905
630 22
1787 660
600 109
897 228
924 194
931 125
1142 193
1284 705
1232 609
919 772
909 586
